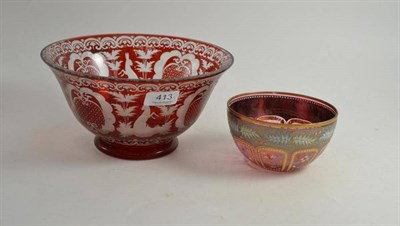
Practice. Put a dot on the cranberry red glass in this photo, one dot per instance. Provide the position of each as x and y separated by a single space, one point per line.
280 131
136 92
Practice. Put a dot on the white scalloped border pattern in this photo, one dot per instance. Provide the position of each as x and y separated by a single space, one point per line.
114 41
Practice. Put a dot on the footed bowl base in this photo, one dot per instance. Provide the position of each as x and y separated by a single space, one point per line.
129 152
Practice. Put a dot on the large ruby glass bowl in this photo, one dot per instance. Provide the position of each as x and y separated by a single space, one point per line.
136 92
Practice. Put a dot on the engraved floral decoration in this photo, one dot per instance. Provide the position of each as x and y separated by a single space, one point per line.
106 79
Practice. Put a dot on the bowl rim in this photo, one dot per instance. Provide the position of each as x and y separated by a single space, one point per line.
276 125
80 74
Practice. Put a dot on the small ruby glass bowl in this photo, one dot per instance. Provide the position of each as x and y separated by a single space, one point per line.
280 131
136 92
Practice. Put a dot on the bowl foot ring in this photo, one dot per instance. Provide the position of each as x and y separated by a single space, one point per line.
129 152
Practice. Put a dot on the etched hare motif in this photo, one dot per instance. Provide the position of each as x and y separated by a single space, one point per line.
128 68
142 129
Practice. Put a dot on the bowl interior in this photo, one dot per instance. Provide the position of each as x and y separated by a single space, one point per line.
282 108
134 56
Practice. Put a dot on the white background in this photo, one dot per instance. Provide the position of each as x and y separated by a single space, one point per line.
346 52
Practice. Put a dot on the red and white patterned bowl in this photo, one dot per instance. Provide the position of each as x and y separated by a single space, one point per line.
136 92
